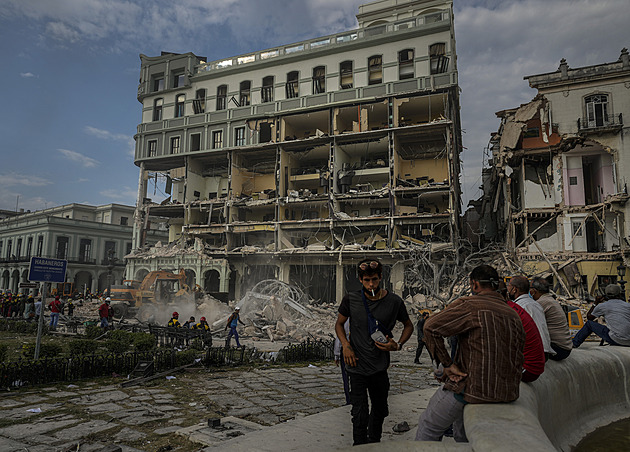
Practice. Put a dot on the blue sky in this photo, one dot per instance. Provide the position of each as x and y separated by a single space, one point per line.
70 74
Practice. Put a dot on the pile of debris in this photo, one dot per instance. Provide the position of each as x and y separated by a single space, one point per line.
277 311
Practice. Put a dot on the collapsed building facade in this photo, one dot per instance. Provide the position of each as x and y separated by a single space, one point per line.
296 162
556 190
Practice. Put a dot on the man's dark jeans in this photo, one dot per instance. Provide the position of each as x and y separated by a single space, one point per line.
592 327
367 426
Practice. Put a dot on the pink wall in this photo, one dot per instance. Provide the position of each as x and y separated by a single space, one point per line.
574 194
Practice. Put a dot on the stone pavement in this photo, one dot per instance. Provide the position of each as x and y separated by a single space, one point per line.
173 414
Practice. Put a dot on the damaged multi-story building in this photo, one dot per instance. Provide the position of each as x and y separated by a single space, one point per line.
297 161
556 191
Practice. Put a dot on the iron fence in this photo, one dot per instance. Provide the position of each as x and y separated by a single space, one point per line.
308 350
179 337
226 356
22 373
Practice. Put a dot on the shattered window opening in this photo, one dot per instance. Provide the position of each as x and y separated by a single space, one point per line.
319 80
244 93
180 102
217 139
222 97
438 58
267 89
292 86
199 103
157 109
175 141
345 75
375 70
405 64
239 136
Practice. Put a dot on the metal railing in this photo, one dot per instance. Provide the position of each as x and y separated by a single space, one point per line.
309 350
601 123
179 337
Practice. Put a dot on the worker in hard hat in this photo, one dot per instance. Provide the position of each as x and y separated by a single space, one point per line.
202 325
190 323
174 322
232 323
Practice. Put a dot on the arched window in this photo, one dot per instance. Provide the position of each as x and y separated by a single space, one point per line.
222 97
405 64
199 104
596 106
345 75
180 102
157 109
438 58
244 93
292 86
267 89
319 80
375 70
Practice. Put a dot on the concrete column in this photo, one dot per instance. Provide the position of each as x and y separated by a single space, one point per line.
397 278
283 274
339 282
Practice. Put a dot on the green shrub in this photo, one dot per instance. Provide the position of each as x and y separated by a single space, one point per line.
45 350
93 331
186 357
82 346
144 341
116 346
3 352
122 336
197 344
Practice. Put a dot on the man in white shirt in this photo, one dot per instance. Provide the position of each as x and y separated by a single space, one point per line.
617 315
518 290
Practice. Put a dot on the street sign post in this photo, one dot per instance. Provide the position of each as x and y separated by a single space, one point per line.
45 270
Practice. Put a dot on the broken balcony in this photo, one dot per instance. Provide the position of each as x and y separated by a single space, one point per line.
251 238
305 240
361 118
420 162
374 209
306 125
426 203
254 175
418 110
362 166
305 172
361 238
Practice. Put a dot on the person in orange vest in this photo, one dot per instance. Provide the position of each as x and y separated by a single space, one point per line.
104 313
55 310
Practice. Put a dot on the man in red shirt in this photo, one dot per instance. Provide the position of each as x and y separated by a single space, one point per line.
55 310
534 353
104 313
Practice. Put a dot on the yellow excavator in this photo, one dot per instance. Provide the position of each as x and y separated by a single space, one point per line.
161 286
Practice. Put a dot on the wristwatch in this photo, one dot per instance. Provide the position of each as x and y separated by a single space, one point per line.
400 346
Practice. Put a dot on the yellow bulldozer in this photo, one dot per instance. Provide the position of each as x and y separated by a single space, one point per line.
162 287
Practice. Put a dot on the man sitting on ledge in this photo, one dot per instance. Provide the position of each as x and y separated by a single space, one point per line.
615 311
488 362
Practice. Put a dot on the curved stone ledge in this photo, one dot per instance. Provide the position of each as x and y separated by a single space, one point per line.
572 398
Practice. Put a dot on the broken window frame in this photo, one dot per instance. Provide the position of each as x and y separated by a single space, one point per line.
319 79
244 93
346 74
239 136
593 103
175 145
157 82
199 103
180 104
266 93
438 61
195 142
178 78
217 139
151 148
222 91
158 106
406 69
292 86
375 70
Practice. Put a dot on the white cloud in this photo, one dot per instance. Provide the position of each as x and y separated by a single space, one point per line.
86 162
126 193
26 74
107 135
13 178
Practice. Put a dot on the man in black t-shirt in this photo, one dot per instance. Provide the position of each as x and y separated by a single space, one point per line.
367 359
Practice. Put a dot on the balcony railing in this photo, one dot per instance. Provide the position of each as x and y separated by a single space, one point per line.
605 122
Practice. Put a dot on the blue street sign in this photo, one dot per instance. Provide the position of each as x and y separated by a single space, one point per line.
45 269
